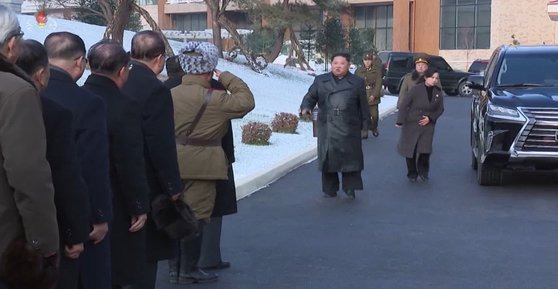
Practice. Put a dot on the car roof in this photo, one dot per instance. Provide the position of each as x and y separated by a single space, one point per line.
522 49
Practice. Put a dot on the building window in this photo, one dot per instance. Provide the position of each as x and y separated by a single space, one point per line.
379 18
190 22
147 2
465 24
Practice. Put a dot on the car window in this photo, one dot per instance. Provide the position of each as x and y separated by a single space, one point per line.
492 65
383 56
399 61
529 68
439 63
477 66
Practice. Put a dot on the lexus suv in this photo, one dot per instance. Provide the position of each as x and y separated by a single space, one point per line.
514 112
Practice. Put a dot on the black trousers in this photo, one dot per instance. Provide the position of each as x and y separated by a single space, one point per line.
68 273
351 181
418 165
211 243
149 277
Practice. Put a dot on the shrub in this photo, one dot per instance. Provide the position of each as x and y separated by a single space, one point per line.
284 122
256 133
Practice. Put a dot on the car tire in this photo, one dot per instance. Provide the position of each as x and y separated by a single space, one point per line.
392 89
488 175
464 90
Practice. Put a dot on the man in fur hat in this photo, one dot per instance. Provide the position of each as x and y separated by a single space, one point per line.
201 116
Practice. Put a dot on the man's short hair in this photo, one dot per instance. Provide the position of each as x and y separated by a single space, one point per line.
147 45
342 54
9 25
64 45
32 56
107 57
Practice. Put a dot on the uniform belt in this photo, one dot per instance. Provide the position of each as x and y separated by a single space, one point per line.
184 140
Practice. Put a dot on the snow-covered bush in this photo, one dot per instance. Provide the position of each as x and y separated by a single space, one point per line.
284 122
256 133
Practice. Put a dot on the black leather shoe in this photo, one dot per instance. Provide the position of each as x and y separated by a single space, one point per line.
330 195
197 276
350 194
220 265
412 179
375 133
424 178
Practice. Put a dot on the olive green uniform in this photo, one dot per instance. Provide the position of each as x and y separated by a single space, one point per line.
373 81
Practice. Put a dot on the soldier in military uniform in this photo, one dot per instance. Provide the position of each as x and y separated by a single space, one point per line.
371 72
414 77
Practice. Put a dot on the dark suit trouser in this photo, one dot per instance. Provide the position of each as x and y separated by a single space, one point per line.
351 181
211 243
418 165
68 273
95 269
148 279
374 116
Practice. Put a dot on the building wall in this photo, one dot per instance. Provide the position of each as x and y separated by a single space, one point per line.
15 5
152 9
526 19
401 16
426 26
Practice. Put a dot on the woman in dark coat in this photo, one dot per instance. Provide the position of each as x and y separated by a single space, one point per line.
417 118
343 119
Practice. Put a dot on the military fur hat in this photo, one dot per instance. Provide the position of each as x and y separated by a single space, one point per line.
198 57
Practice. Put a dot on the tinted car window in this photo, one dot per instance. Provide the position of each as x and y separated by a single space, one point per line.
477 66
399 61
439 63
533 68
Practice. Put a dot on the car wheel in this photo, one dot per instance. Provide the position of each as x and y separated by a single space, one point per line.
487 174
464 90
392 89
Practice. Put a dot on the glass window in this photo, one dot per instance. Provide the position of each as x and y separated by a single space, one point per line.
379 18
465 24
190 22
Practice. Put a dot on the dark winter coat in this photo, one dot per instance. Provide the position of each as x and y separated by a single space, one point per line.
343 114
225 199
90 119
161 164
413 107
127 171
70 191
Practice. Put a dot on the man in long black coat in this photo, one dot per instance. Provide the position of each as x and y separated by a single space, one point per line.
70 191
148 60
109 68
66 53
343 119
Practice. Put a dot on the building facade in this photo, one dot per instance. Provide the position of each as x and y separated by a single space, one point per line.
459 30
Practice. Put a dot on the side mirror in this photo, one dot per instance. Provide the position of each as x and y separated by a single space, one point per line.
476 81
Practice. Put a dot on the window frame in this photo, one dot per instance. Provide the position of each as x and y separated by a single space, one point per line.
464 35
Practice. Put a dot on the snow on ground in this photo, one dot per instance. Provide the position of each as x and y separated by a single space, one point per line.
277 90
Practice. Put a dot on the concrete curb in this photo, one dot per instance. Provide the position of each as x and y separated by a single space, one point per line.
251 184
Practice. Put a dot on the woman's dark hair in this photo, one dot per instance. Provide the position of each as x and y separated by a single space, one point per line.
342 54
23 267
430 71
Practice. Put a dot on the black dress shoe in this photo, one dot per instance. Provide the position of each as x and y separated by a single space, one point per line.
412 179
197 276
330 195
375 133
221 265
350 194
424 178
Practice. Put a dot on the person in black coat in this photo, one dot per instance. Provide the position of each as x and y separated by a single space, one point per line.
225 199
66 54
154 98
343 119
72 203
109 68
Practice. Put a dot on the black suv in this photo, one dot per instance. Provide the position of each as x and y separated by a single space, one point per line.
514 112
397 64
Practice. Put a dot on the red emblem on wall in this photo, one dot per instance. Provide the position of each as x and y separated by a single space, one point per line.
41 18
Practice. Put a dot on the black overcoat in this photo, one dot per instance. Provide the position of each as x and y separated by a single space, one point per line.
343 114
91 138
127 171
413 106
163 177
70 191
225 198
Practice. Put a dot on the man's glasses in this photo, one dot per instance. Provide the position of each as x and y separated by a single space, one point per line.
18 34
